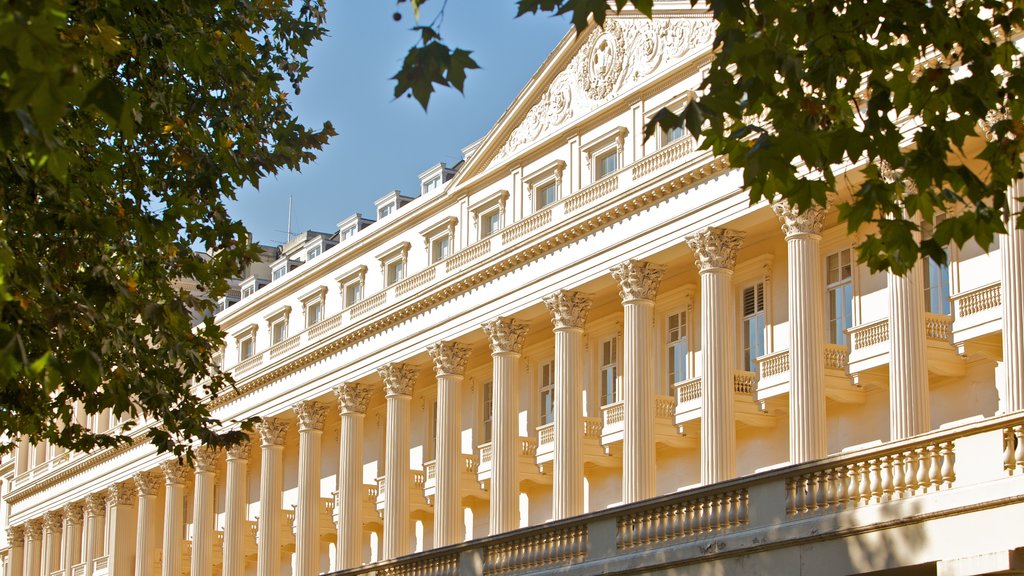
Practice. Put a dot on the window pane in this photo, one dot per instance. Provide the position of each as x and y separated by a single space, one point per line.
606 163
546 194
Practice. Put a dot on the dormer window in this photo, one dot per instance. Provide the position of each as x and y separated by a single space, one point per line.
431 180
385 210
390 203
251 284
313 252
543 185
431 185
393 263
282 267
348 232
350 226
604 154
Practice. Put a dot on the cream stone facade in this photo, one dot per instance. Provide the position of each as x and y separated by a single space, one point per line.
583 352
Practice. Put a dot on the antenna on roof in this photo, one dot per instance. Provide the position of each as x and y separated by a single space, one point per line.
289 239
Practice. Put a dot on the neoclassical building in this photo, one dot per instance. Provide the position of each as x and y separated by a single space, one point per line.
578 351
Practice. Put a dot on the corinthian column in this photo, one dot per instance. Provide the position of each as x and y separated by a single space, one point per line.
307 516
202 510
95 507
1011 257
568 314
807 426
234 509
909 411
715 252
638 284
16 540
450 366
268 554
147 484
120 527
71 549
33 540
175 476
352 401
398 382
51 542
506 338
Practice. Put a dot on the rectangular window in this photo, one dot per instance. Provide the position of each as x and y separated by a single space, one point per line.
547 393
279 272
431 184
395 271
547 194
313 252
678 346
348 232
488 400
430 450
385 210
248 291
839 295
314 313
606 163
490 222
671 135
353 293
439 249
936 286
753 325
246 347
278 331
609 373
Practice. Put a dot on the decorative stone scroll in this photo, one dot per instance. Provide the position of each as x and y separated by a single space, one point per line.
240 451
795 223
72 513
146 483
206 458
568 309
638 280
449 358
174 472
352 397
311 415
272 431
505 335
121 494
715 248
613 59
398 378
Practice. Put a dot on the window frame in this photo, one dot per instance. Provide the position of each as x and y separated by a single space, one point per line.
444 229
390 260
830 333
355 277
246 335
749 272
279 317
749 363
545 417
686 338
486 412
315 298
547 176
486 207
615 139
616 390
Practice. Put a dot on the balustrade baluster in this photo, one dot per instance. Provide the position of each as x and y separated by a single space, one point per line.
842 487
876 480
911 477
791 495
885 471
1009 450
935 472
922 469
1018 449
948 458
898 481
721 512
804 493
688 519
820 489
734 509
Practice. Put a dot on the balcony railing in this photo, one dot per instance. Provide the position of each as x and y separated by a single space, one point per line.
880 491
977 300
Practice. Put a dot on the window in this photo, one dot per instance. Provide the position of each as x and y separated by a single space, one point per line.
609 373
278 273
394 271
348 232
547 393
313 252
246 348
353 292
605 163
753 325
839 295
248 291
385 210
547 193
314 313
431 185
671 135
936 286
678 346
487 404
430 447
439 248
490 222
278 330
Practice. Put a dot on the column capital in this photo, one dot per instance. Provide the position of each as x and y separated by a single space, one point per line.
505 335
241 450
352 397
715 248
95 504
16 535
568 309
72 512
638 280
205 458
53 521
449 358
174 472
799 223
398 378
146 483
34 530
121 494
311 415
272 431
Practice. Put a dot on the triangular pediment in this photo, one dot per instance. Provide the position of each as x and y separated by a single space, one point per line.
586 73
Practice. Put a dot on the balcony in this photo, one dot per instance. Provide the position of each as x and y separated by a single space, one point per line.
593 452
666 433
417 501
529 471
977 324
469 486
328 529
773 376
748 410
869 350
897 505
101 566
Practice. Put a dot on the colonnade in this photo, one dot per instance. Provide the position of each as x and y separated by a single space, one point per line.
119 524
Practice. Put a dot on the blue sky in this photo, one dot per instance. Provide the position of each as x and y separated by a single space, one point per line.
383 144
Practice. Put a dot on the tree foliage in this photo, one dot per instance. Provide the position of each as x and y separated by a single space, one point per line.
801 91
124 126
